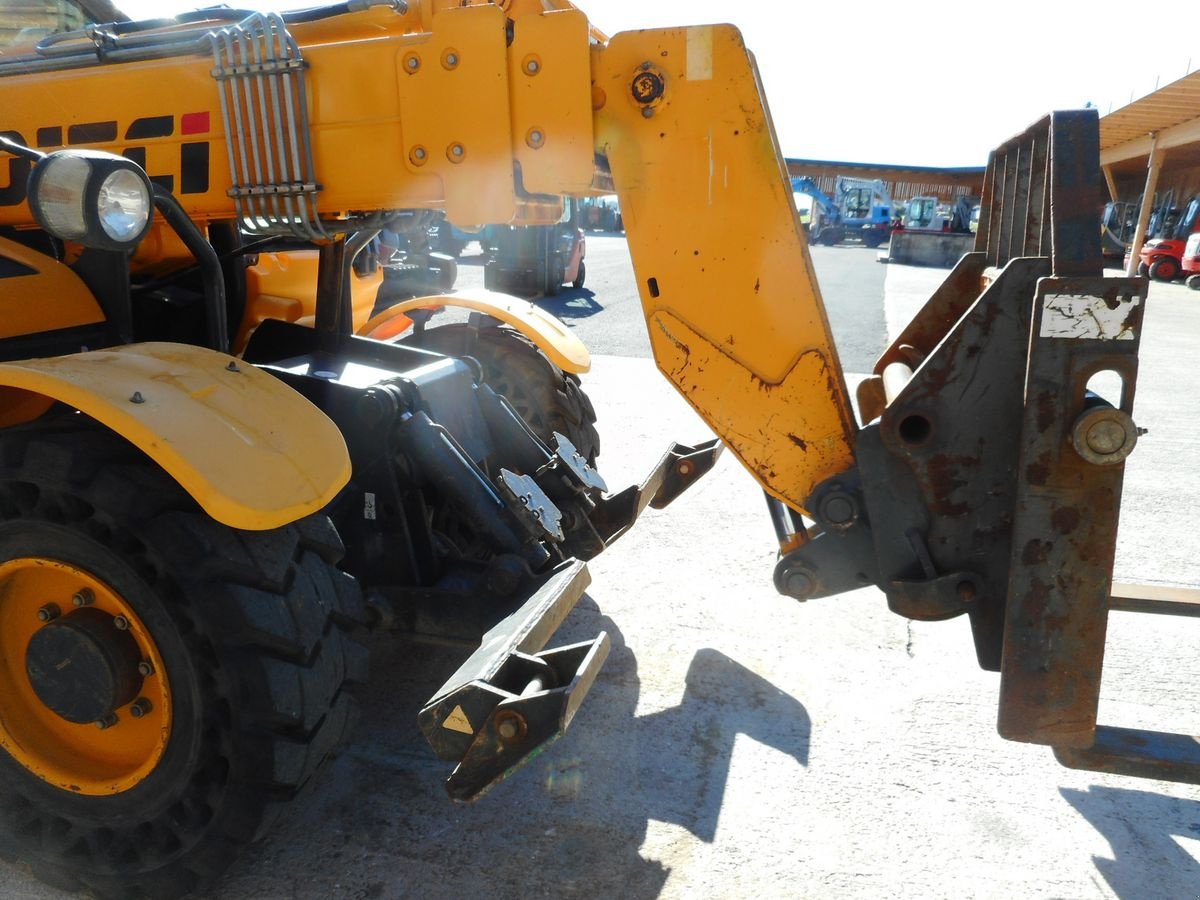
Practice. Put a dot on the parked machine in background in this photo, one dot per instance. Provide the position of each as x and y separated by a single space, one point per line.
866 209
1162 257
1191 261
927 213
1117 225
599 214
536 260
825 217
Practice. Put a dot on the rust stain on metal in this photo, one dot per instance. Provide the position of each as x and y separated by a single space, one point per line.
947 475
1035 552
1065 519
1038 473
798 441
1047 410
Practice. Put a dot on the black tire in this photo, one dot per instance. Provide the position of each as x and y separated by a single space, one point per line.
579 276
258 635
1143 269
555 275
1193 282
1164 269
546 397
872 239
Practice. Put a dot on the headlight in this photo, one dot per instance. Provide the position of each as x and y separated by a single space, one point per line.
98 199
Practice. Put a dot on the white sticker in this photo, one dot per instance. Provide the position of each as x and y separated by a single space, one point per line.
368 505
700 53
1083 317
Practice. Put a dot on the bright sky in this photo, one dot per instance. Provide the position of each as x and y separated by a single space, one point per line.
929 82
925 82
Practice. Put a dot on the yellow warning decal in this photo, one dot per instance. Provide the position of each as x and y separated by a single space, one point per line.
457 721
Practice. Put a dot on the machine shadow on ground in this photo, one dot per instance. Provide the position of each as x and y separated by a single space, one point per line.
1140 853
571 303
578 814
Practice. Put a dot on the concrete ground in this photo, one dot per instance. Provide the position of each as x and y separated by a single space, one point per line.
741 745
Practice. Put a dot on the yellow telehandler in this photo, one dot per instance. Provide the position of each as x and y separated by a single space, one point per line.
193 540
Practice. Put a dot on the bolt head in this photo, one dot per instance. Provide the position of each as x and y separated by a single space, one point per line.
145 668
49 612
799 584
120 623
140 707
1106 437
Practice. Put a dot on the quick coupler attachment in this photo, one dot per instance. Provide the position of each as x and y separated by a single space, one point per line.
678 469
508 701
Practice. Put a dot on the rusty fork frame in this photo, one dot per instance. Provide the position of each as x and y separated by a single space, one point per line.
988 476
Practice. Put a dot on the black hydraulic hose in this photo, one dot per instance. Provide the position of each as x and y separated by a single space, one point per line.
210 266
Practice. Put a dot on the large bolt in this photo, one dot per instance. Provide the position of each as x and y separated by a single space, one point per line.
49 612
647 87
1104 435
107 721
145 668
140 707
120 623
83 597
839 509
798 584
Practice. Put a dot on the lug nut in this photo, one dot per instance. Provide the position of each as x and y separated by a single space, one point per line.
107 722
145 668
140 707
49 612
83 597
120 623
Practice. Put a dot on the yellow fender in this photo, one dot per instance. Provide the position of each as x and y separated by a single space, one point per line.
547 331
251 451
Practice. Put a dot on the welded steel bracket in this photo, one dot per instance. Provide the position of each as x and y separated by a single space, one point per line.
678 469
508 701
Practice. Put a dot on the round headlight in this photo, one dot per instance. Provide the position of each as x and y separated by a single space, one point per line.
123 204
98 199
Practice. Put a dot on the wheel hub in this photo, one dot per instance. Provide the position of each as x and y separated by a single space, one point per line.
62 674
83 666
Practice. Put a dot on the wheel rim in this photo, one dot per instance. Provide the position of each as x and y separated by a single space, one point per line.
46 606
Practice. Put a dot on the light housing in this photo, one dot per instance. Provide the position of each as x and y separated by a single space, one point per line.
95 198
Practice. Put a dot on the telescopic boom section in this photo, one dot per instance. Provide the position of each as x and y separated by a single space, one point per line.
734 313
